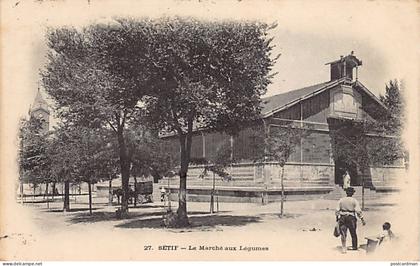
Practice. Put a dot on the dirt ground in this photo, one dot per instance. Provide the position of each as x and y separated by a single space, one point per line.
238 231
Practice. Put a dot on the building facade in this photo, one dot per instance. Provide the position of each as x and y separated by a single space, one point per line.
331 113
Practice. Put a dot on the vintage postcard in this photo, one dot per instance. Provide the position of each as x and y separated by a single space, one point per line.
209 130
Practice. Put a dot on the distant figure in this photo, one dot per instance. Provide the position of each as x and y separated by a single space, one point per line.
117 192
162 194
386 235
347 210
346 180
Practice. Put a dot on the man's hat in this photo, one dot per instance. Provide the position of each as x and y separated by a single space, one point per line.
350 190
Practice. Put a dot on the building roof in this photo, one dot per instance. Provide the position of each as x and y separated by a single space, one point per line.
349 59
279 102
273 104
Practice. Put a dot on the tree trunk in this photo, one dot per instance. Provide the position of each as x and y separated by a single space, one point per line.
74 193
182 215
212 195
53 190
217 201
66 196
21 192
90 197
46 195
363 192
282 191
360 172
135 192
46 190
110 196
125 173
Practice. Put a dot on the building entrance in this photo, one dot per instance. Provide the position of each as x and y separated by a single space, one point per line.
349 151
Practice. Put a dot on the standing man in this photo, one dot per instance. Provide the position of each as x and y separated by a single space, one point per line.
347 210
346 180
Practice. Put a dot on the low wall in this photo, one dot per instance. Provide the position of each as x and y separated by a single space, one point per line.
387 178
257 182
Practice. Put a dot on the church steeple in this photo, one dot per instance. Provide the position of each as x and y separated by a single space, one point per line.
40 103
40 110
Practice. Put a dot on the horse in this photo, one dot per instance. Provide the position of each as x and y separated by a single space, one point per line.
132 195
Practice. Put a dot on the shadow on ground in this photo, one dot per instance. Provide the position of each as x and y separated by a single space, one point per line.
377 206
285 216
71 210
41 201
145 206
381 204
204 222
362 249
102 216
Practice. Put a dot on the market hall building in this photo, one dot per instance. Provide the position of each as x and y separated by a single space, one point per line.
315 169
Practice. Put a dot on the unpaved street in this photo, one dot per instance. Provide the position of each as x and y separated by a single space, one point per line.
238 230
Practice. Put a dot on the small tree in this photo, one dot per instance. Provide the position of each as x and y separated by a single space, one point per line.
279 145
372 141
217 165
279 142
364 144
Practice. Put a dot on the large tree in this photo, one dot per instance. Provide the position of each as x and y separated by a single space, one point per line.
90 76
185 73
34 159
95 161
206 74
393 100
64 153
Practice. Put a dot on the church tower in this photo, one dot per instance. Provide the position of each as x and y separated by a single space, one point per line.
39 110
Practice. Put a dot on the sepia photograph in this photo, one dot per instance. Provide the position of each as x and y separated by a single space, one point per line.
209 131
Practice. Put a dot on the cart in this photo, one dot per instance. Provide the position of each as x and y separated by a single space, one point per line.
144 191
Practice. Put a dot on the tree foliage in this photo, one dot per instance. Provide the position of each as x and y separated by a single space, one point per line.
388 148
34 159
218 163
213 80
278 144
87 77
394 101
147 153
185 73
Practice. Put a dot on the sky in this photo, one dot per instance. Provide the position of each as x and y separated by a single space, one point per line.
309 34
